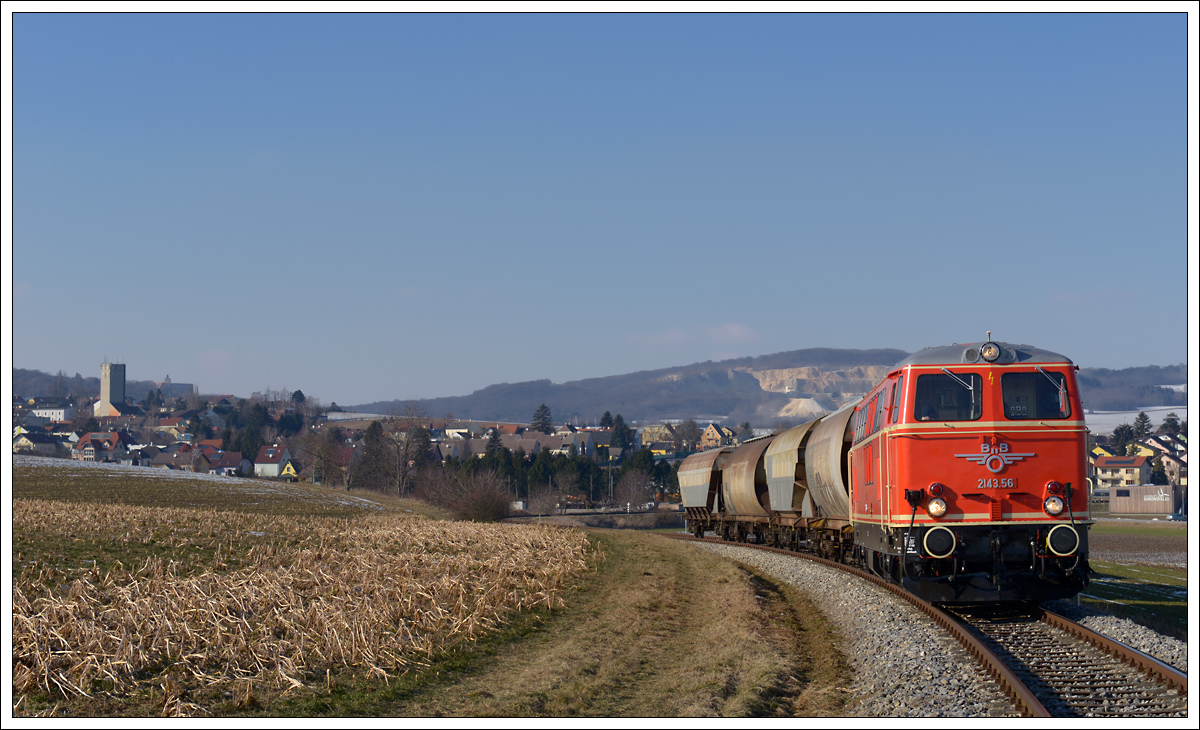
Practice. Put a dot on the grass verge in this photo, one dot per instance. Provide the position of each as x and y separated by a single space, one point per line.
1155 597
639 637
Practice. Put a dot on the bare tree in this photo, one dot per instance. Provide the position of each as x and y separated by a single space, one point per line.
567 482
635 488
542 498
401 424
320 449
687 435
479 497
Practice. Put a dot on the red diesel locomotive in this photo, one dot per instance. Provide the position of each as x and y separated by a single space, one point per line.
960 476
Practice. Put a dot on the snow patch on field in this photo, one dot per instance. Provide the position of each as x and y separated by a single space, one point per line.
1103 422
259 487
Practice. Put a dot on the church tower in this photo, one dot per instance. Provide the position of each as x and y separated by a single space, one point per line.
112 389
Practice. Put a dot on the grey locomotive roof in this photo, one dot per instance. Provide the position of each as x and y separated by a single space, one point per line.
968 353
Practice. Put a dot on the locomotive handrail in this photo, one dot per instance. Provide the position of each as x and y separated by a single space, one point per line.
1020 694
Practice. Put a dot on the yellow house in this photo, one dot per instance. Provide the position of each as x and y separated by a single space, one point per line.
289 472
657 432
1140 449
717 435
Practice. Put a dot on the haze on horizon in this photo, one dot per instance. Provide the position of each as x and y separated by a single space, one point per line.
399 206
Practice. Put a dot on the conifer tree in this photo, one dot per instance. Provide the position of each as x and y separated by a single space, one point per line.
1141 425
542 420
493 443
622 435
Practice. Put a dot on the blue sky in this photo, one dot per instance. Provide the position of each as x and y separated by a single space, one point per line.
400 206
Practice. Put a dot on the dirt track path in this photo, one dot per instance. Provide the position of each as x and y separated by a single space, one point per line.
645 638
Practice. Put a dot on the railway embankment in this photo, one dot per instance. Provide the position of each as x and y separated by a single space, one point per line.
904 666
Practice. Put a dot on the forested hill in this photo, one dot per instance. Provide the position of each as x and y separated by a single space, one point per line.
763 390
732 391
1132 388
31 383
725 390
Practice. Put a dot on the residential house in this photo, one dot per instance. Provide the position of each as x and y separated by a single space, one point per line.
175 426
1114 471
271 460
192 460
57 412
38 443
464 429
140 456
1176 468
658 432
1163 443
530 446
506 429
99 446
230 464
214 419
583 441
660 448
717 435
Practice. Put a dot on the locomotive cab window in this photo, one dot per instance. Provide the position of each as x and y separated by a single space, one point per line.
1037 395
949 397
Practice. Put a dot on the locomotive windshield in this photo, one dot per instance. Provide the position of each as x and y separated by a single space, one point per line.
949 397
1034 395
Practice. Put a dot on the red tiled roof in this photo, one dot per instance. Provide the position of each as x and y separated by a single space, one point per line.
270 455
227 460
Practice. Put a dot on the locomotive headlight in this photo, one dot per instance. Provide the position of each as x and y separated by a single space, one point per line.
1054 506
936 507
990 351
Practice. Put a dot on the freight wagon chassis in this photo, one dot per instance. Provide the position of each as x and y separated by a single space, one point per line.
829 539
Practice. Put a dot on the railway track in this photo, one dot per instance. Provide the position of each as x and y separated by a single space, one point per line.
1048 665
1074 672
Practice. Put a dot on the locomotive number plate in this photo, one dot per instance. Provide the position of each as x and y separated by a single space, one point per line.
997 484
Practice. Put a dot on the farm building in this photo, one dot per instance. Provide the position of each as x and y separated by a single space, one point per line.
1145 499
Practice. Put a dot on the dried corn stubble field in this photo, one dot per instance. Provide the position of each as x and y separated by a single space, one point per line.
229 604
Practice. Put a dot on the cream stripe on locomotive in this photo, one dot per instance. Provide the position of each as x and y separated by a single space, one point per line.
1030 425
970 519
988 366
991 428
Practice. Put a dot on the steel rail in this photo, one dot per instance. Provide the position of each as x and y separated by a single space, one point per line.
1020 695
1075 671
1168 674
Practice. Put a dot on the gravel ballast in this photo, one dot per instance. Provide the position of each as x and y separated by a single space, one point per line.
1163 648
905 665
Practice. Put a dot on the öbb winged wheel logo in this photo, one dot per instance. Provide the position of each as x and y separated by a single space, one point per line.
994 457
